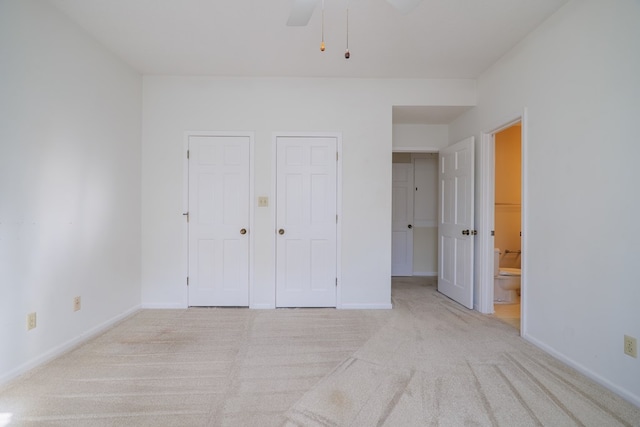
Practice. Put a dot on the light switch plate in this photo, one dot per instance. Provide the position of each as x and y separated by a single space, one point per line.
263 202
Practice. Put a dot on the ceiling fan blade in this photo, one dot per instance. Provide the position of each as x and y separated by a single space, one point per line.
405 6
301 12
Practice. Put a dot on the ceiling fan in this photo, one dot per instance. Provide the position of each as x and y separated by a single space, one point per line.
302 10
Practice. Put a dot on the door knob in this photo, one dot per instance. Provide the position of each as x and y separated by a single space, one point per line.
465 232
409 226
281 231
243 231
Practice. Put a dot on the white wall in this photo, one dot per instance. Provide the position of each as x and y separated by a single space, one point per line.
578 75
359 108
70 125
413 137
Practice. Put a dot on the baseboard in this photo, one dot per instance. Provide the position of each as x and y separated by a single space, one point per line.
425 273
622 392
365 306
64 347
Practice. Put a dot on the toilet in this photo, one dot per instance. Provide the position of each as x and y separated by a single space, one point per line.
506 282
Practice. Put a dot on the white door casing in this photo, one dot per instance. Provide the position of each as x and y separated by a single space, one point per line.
402 220
456 222
219 201
306 221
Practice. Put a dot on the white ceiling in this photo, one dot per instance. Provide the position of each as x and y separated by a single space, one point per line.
439 39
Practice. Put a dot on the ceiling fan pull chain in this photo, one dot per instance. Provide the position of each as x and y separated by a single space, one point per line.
347 54
322 42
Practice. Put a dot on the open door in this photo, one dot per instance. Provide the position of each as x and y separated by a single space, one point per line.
455 223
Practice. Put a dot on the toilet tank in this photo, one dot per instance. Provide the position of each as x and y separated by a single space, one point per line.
496 262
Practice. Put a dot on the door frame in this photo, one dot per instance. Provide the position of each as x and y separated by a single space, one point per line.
185 204
273 207
485 216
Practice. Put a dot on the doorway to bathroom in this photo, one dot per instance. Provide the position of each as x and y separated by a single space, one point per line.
507 228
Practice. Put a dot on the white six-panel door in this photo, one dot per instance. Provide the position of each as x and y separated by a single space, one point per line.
455 227
402 220
306 221
219 203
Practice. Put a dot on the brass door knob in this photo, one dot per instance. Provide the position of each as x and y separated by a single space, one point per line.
281 231
243 231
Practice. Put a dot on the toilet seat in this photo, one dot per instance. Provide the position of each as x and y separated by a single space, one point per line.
506 271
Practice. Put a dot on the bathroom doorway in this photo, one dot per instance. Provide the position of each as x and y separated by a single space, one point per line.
507 228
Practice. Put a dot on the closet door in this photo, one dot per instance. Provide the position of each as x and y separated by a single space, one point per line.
425 215
402 220
306 217
219 203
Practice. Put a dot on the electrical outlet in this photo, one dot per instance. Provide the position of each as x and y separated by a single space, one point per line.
31 321
263 202
630 346
76 304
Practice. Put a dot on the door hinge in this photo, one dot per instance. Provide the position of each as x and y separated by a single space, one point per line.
493 232
336 219
187 154
187 215
336 156
187 280
336 282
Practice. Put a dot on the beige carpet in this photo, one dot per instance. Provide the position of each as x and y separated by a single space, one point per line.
427 362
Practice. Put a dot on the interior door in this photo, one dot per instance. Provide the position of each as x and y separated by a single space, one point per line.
455 223
402 220
306 216
219 199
